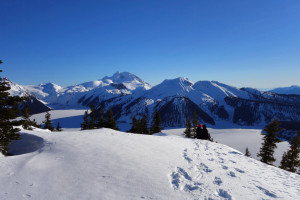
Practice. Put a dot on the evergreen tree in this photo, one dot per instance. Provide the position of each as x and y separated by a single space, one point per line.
111 123
101 122
248 154
47 122
156 123
195 123
58 127
26 117
92 122
269 142
188 130
135 124
290 159
35 124
8 112
144 124
85 124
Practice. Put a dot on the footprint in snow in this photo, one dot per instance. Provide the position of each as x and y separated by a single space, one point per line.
232 174
218 181
267 192
204 167
224 167
178 176
224 194
26 195
239 170
186 157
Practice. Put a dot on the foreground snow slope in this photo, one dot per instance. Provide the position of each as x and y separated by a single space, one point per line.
106 164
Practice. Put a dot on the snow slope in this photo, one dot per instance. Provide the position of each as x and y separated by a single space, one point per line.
107 164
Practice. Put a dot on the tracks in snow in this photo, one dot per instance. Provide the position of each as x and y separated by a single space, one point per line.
206 172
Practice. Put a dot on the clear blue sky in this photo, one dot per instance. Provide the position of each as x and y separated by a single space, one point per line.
251 43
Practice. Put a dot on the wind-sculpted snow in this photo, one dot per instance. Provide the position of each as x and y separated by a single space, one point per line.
107 164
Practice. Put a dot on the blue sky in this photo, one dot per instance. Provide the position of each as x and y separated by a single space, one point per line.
240 43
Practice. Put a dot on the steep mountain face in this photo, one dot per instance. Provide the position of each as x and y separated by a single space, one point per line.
175 100
35 105
294 89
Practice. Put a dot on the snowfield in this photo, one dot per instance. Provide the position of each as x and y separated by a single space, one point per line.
110 165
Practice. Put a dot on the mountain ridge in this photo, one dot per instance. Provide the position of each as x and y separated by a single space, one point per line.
214 102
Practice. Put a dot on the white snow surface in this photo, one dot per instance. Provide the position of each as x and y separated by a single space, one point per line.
107 164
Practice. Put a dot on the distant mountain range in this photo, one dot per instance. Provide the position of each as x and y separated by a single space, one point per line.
175 99
294 89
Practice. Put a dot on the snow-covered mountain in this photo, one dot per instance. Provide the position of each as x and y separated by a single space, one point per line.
35 104
176 100
294 89
107 164
86 93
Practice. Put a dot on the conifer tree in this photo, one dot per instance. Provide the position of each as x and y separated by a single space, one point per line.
195 123
156 123
248 154
188 130
47 122
58 127
85 124
144 125
101 122
269 142
290 159
111 123
135 124
8 113
92 122
35 124
26 117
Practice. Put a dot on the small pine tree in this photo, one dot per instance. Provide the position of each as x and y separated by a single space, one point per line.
144 125
134 127
47 122
156 124
35 124
188 130
290 159
111 123
8 112
101 122
58 127
195 123
269 142
85 124
92 122
248 154
26 117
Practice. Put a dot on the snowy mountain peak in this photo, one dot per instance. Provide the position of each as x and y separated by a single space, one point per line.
16 89
218 90
129 80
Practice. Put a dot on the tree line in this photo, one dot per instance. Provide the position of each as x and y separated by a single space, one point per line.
95 118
